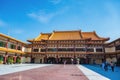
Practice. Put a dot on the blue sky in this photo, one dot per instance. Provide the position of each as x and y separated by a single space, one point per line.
26 19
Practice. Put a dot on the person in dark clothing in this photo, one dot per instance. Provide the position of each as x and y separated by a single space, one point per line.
112 66
106 66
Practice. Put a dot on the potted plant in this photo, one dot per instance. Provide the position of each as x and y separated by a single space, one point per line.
1 59
11 60
8 60
18 60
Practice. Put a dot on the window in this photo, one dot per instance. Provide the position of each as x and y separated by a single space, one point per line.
118 47
36 50
19 48
99 50
90 50
2 44
52 49
12 46
43 50
65 49
81 49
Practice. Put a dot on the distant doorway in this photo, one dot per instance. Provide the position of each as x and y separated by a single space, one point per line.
40 60
33 60
67 59
83 61
51 60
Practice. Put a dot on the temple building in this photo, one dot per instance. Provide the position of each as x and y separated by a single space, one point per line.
60 46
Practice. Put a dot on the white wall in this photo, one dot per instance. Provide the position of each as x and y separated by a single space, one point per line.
25 59
111 49
28 49
111 59
23 49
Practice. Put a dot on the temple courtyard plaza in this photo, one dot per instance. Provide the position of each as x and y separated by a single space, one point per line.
56 72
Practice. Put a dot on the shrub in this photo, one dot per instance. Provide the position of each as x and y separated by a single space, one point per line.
18 60
1 59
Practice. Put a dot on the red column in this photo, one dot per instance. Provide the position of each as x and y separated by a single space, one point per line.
14 59
5 59
7 44
20 58
16 47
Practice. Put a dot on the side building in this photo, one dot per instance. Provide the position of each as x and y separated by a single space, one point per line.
11 49
112 51
60 46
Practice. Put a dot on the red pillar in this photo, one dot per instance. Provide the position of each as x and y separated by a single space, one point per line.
7 44
14 59
5 59
16 47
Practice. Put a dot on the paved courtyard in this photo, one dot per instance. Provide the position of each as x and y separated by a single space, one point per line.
55 72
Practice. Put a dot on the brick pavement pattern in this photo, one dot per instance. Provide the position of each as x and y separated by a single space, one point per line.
53 72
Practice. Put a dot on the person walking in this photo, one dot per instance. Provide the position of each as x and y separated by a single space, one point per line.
103 65
78 61
65 62
112 66
72 60
106 66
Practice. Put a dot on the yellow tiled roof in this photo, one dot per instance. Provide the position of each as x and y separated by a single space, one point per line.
11 50
5 36
42 36
69 35
65 35
92 35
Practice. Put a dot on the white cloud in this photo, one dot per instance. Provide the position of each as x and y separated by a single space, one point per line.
44 17
2 23
55 1
16 31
